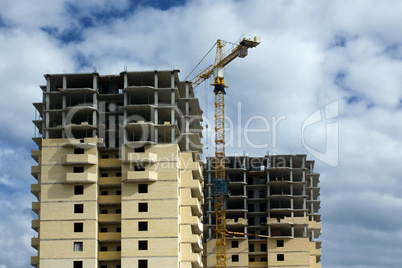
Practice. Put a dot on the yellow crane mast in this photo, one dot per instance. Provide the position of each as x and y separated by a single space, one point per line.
220 183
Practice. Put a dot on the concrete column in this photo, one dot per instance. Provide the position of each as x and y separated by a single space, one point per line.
172 82
187 90
125 80
95 81
156 79
63 115
47 101
156 112
47 123
291 162
172 116
64 81
47 83
112 133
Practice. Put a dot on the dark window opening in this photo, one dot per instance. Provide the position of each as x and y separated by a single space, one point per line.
263 247
139 150
235 258
103 248
251 259
143 245
105 156
78 227
118 248
118 230
142 226
104 192
263 259
142 188
139 168
118 192
77 264
104 175
251 247
79 208
279 243
142 207
142 263
250 194
280 257
103 230
235 244
118 174
78 151
118 211
79 189
103 266
104 211
78 169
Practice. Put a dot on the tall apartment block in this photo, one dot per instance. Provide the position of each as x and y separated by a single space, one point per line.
274 203
119 175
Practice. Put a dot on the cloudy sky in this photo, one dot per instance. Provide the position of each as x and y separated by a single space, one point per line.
325 81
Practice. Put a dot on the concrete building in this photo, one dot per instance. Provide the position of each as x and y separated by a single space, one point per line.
274 201
119 175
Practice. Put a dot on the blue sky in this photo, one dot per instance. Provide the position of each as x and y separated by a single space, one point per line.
338 57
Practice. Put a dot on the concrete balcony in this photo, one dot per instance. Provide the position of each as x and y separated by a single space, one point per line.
257 264
195 186
194 203
109 180
36 154
109 163
80 178
314 225
109 199
196 225
35 190
73 159
109 255
314 250
141 176
194 239
35 225
109 218
35 171
141 158
35 242
195 167
194 258
35 207
109 237
34 261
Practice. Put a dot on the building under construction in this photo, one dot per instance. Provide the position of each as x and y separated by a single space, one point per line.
120 183
272 214
119 175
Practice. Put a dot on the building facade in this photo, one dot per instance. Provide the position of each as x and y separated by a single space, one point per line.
273 206
119 174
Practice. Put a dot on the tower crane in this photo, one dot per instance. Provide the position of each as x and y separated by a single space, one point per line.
220 183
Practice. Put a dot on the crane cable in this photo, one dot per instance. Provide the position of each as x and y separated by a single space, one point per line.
185 79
